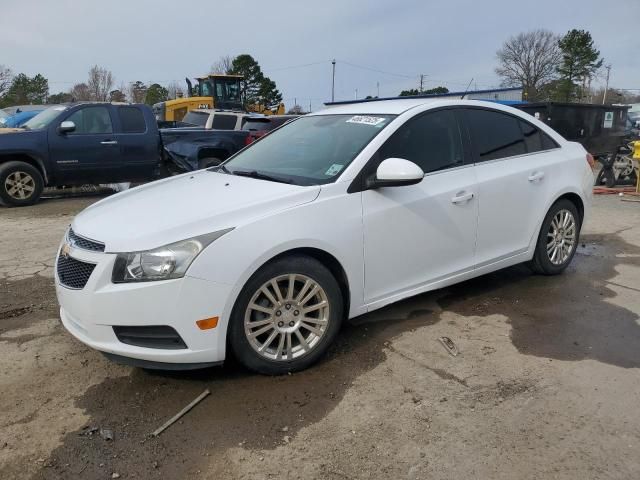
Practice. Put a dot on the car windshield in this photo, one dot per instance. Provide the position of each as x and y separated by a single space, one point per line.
312 150
44 118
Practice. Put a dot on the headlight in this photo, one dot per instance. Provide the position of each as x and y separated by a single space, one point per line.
164 263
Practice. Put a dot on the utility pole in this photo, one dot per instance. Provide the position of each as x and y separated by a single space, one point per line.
378 87
421 82
333 81
606 88
309 105
295 101
356 93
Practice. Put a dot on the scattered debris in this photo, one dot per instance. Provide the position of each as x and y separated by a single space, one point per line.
115 475
106 434
449 346
182 412
285 429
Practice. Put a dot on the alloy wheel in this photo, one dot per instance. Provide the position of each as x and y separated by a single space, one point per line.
19 185
287 317
561 237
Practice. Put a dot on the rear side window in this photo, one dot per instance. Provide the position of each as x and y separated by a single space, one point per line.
196 118
132 120
254 125
224 122
432 141
534 139
495 134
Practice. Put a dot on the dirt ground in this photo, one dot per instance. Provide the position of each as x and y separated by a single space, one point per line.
546 385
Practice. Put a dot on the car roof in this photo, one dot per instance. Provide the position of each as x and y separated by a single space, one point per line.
397 106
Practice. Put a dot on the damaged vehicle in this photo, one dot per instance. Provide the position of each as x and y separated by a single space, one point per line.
102 143
333 215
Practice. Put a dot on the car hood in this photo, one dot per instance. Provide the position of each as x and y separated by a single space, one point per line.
185 206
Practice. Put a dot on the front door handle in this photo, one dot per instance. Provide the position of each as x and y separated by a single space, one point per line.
536 176
109 142
462 197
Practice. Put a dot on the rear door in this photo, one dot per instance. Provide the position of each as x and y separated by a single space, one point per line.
138 144
90 154
515 163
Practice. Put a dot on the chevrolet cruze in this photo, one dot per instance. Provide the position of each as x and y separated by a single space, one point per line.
331 216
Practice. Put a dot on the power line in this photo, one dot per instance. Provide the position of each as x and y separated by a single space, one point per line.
363 67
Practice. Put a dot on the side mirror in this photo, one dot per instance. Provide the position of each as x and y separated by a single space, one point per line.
396 172
67 127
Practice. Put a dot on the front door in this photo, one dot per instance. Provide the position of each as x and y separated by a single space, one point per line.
90 154
420 234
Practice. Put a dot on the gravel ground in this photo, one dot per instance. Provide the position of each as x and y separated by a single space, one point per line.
546 384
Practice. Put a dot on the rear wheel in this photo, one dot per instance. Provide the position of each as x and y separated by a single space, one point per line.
21 184
286 316
558 239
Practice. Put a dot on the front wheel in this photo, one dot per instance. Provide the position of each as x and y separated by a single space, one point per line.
558 239
286 316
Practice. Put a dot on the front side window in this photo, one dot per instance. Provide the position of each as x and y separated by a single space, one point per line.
91 121
495 134
432 141
196 118
44 118
311 150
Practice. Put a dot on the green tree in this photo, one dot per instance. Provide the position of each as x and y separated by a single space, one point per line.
26 90
246 66
60 97
268 94
579 63
156 93
117 95
137 92
432 91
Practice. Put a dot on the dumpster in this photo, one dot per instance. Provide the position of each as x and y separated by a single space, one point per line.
599 128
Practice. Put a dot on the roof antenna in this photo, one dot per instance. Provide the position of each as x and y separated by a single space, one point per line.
466 90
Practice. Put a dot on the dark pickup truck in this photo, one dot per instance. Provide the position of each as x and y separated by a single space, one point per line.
93 143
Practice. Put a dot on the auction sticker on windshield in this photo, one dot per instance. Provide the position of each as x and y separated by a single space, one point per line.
333 169
366 120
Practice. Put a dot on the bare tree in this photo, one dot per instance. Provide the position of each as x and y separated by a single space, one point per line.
6 77
80 92
529 59
223 65
100 83
175 90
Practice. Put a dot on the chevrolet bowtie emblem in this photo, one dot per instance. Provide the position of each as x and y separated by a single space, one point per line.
66 250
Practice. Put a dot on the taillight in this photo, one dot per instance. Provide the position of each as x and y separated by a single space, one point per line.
591 161
248 139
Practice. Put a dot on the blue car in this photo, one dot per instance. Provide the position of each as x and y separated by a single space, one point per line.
18 119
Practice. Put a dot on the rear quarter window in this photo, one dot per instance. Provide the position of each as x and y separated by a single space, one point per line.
131 120
535 139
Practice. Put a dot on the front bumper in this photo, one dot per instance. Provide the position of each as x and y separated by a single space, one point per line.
90 313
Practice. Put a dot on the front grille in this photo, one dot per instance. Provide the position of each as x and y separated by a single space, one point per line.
156 336
74 273
85 243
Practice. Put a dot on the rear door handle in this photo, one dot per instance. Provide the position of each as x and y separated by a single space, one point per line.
536 176
109 142
462 197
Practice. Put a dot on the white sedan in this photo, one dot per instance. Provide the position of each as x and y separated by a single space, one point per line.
331 216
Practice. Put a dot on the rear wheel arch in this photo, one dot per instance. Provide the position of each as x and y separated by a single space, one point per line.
576 200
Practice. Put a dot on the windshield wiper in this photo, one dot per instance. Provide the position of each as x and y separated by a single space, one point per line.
260 176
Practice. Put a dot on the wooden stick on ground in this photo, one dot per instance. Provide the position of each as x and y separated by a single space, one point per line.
178 415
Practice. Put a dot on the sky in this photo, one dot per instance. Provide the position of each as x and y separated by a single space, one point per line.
377 44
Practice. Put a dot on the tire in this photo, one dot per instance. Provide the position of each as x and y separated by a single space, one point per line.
551 259
209 162
21 184
606 177
282 349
